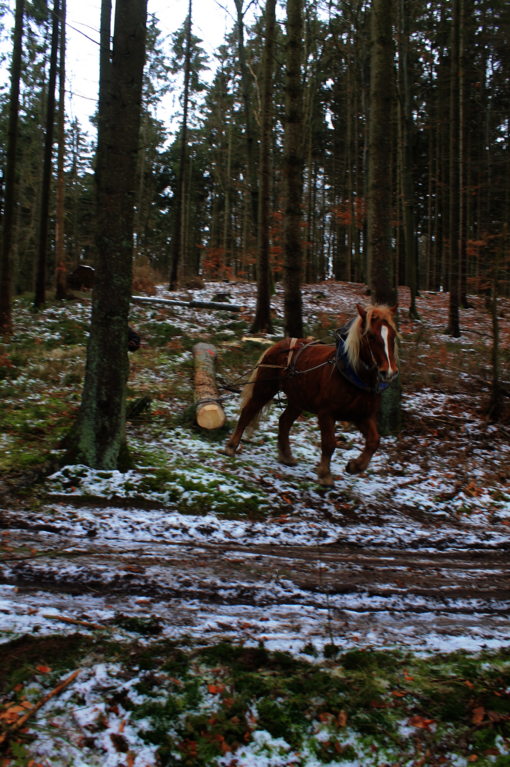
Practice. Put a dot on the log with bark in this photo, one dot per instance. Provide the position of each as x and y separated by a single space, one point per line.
209 411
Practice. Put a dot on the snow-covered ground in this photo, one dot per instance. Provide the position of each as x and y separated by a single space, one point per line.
440 487
413 553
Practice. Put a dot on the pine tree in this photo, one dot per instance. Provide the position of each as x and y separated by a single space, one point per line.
262 319
10 178
382 280
60 292
98 439
293 172
40 283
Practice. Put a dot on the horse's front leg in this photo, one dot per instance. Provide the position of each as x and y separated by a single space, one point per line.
287 418
260 397
328 445
368 428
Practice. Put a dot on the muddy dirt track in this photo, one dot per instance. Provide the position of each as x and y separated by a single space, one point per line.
287 595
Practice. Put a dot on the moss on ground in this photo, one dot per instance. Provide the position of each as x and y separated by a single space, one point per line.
197 704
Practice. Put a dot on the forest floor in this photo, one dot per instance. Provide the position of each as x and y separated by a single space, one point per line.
232 611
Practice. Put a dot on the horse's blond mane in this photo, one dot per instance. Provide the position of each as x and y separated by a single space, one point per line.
353 341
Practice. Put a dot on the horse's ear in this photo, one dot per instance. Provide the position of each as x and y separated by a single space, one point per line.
362 313
393 309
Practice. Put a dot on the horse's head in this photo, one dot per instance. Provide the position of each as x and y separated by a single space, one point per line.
379 335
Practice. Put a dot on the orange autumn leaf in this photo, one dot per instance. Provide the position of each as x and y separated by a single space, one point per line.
420 721
478 715
341 719
212 689
12 714
468 683
43 669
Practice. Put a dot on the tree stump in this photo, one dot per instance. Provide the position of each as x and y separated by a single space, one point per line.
209 411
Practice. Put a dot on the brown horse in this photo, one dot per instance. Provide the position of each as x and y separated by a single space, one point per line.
342 384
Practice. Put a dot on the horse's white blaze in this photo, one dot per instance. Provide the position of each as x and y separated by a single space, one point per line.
384 334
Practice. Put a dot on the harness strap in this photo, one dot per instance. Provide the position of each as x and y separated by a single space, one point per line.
293 342
298 354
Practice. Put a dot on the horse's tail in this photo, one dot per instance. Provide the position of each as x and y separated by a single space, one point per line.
247 394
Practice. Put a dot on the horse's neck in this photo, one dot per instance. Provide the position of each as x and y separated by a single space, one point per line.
367 371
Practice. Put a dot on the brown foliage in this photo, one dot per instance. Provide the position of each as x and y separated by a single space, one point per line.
144 278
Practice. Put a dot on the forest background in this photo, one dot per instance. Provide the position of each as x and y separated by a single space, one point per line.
219 235
360 142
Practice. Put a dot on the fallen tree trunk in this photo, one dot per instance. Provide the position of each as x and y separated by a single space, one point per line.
209 411
226 307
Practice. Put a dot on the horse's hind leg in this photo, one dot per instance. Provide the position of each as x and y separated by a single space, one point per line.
287 418
264 392
369 430
328 445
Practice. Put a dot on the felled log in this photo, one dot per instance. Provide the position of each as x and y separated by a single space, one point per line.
225 307
209 411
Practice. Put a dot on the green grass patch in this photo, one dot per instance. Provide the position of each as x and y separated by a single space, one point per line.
197 704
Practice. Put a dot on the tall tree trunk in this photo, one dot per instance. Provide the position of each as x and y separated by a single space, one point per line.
349 163
293 172
60 291
98 439
10 179
495 401
249 134
40 281
430 174
463 157
382 282
105 66
406 114
177 236
74 175
226 214
262 319
453 307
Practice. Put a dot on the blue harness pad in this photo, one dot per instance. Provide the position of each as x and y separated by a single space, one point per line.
345 368
350 374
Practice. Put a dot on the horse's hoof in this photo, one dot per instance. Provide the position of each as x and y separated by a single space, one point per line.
351 468
227 451
327 481
288 461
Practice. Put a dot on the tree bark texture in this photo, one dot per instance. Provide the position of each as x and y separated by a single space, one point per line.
406 113
293 172
60 292
40 282
99 437
209 411
463 159
248 119
382 282
262 319
10 178
177 234
105 65
453 307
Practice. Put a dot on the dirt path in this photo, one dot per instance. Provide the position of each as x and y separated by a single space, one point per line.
286 595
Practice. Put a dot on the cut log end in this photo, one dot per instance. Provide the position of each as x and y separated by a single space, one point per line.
211 416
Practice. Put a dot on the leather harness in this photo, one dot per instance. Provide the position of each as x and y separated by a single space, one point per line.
340 360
